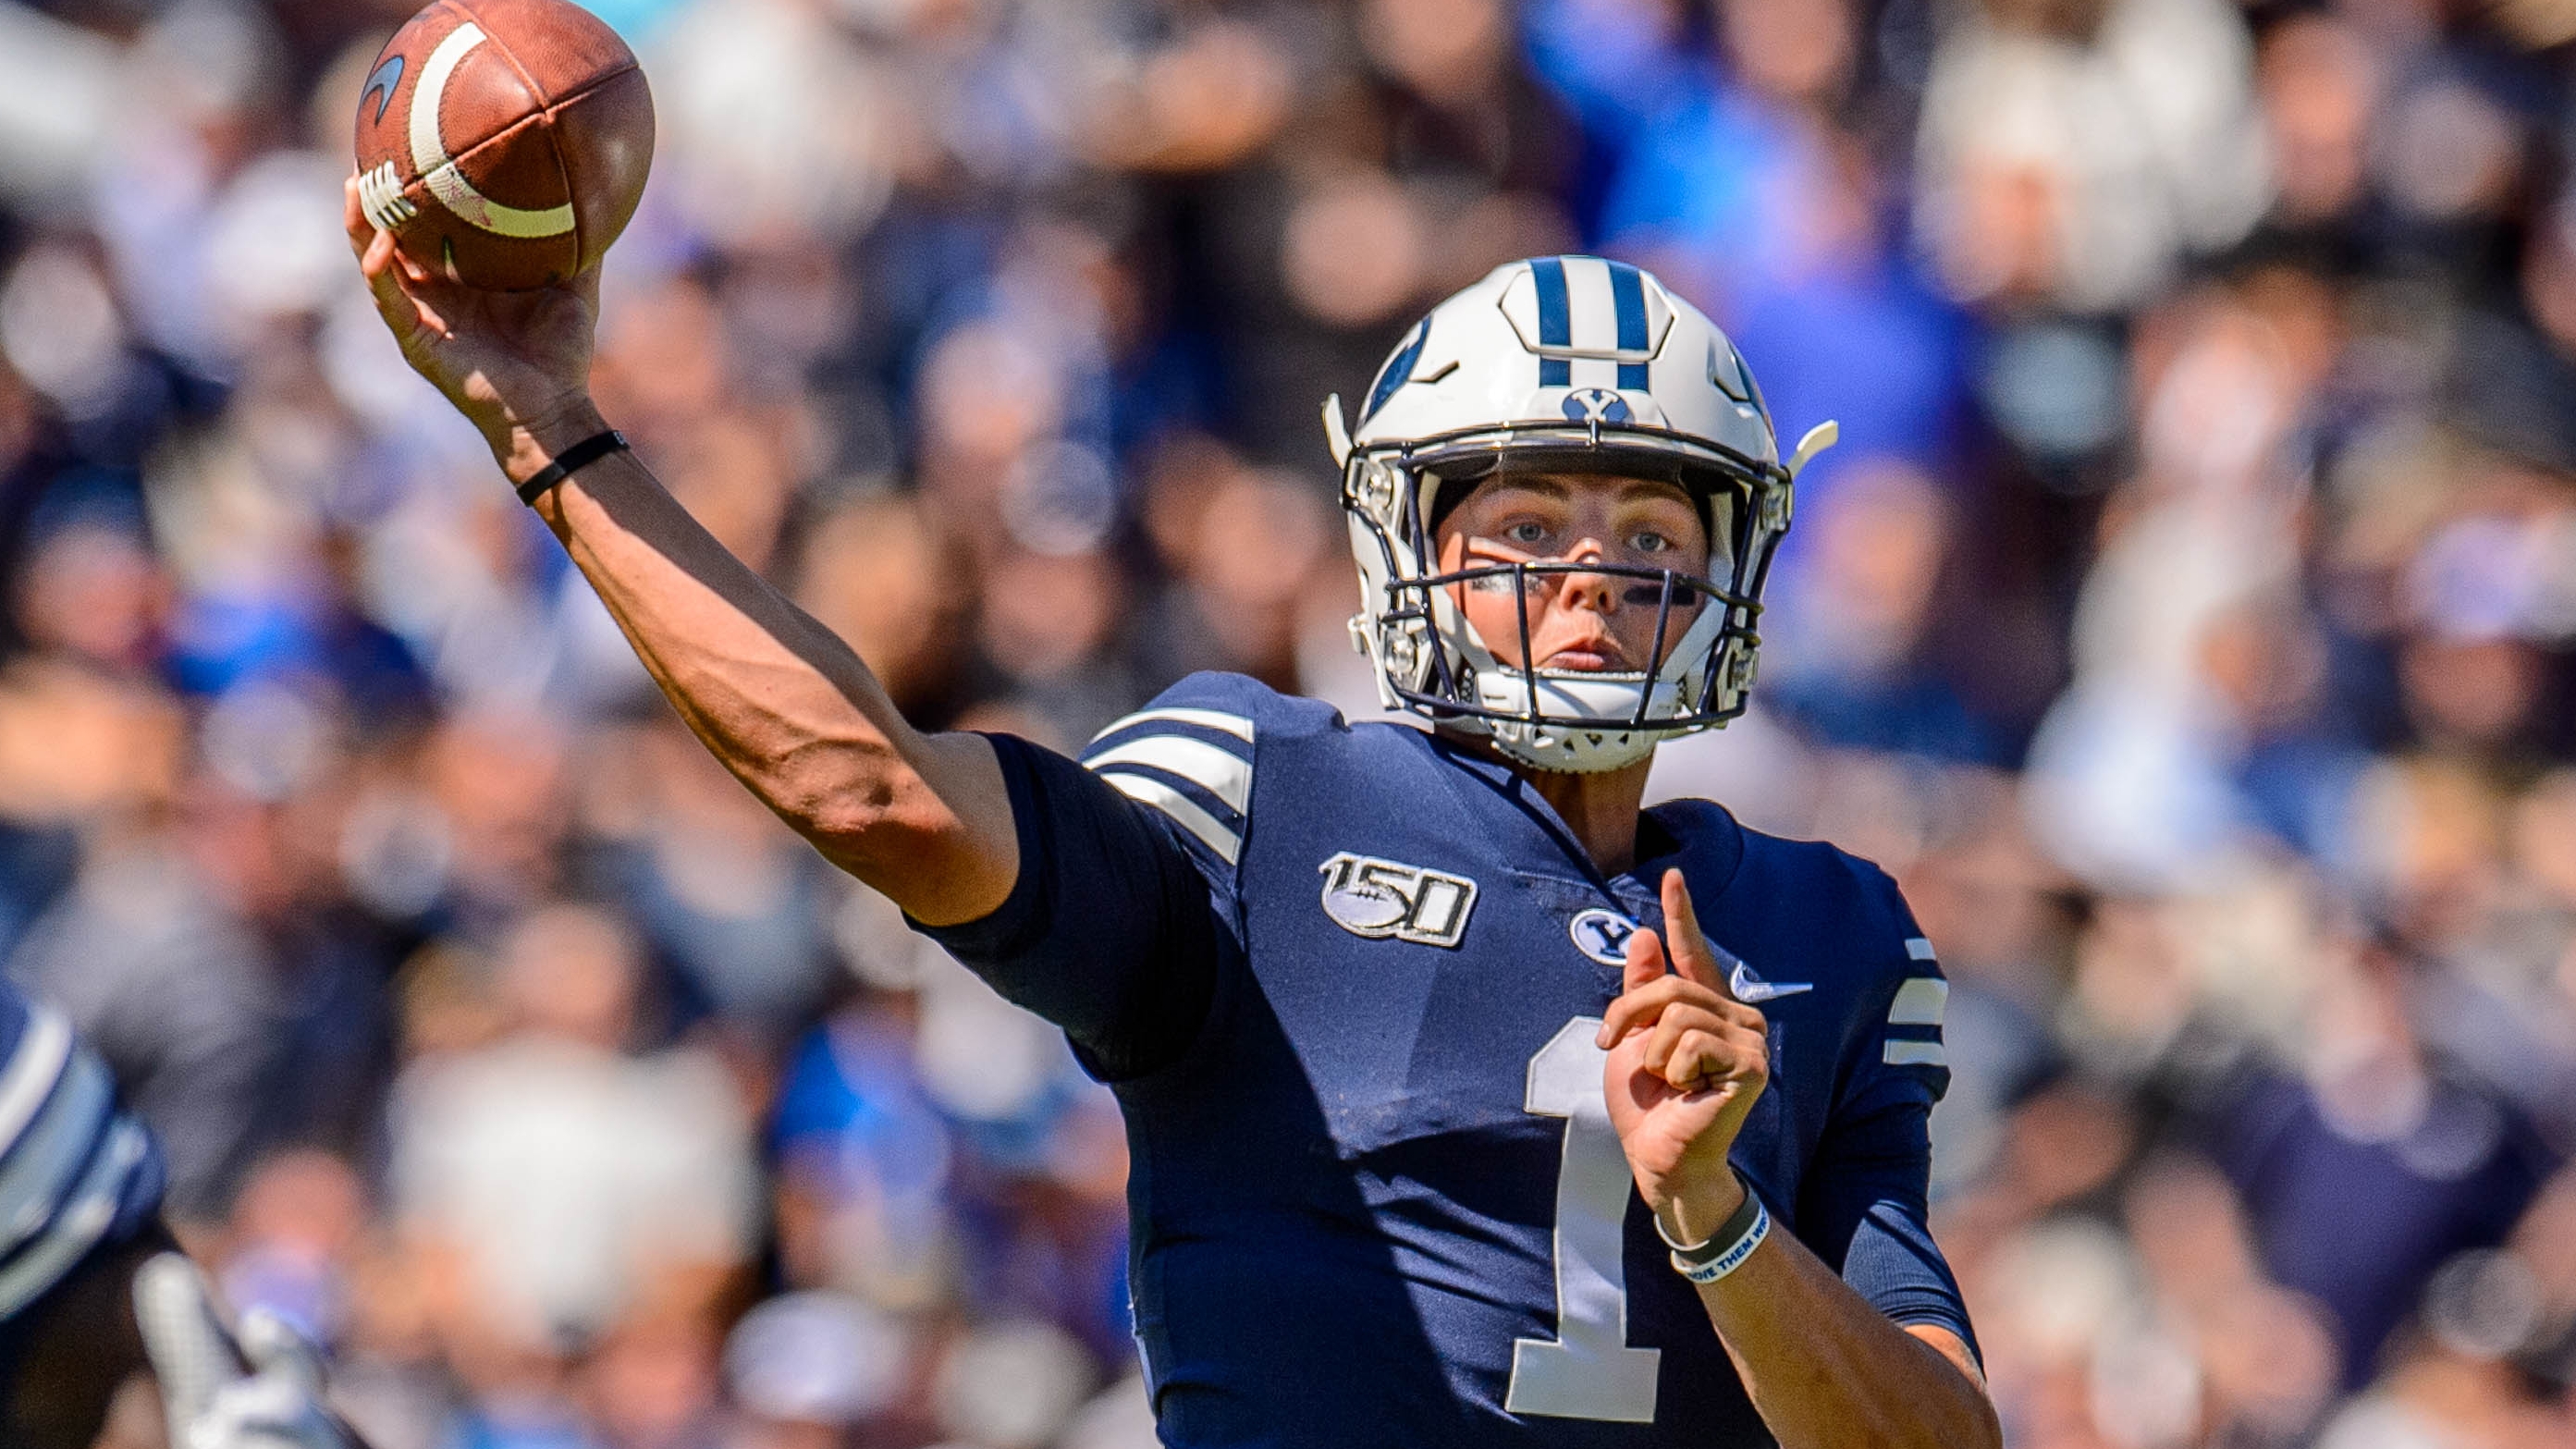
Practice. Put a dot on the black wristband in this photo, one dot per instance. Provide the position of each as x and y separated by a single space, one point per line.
1734 1228
570 461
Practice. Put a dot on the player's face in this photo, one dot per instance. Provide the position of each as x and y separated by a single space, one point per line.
1577 621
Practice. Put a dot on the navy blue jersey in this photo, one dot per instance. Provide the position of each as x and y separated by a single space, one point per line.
1344 980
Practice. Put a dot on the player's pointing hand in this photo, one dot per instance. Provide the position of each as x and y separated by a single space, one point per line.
1687 1062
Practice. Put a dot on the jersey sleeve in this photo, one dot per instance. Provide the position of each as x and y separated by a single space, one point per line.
76 1168
1864 1207
1114 929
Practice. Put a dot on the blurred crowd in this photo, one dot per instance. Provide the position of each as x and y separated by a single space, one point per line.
2188 620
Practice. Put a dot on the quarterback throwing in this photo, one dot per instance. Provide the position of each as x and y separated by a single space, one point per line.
1469 1103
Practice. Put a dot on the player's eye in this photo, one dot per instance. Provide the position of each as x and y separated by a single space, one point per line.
1528 533
1649 541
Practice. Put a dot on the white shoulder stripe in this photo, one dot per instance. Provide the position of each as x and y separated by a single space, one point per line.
1180 807
1213 768
32 1071
1915 1054
1921 1001
1215 719
1919 948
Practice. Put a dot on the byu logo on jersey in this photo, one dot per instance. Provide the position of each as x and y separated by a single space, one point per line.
1597 405
1602 934
1379 898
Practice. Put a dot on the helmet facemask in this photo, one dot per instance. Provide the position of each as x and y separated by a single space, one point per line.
1564 364
1433 660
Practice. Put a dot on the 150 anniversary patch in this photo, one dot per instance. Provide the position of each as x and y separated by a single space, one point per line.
1381 898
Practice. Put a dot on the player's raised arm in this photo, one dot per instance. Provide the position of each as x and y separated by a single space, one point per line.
1823 1365
784 703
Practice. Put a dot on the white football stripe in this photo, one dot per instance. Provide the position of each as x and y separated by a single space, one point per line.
1219 771
1916 1054
437 170
1215 719
1919 949
32 1072
1180 807
1920 1002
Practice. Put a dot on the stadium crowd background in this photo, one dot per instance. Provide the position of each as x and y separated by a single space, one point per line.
2186 621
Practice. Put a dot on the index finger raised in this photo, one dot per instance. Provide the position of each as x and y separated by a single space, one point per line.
1688 946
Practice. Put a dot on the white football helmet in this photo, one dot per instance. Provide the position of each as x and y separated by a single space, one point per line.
1580 365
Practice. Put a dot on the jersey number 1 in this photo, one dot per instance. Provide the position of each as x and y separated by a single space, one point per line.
1588 1371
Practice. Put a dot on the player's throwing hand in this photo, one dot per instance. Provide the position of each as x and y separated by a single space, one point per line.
517 364
1687 1062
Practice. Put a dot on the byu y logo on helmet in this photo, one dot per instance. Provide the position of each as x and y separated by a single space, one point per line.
1597 405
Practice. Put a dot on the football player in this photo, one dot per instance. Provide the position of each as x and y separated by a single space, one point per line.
80 1201
1469 1103
92 1290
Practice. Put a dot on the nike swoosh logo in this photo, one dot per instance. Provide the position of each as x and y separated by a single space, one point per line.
1753 990
381 86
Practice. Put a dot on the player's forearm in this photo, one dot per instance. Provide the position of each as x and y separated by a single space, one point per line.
1826 1370
786 705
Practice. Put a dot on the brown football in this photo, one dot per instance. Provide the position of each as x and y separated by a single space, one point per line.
504 142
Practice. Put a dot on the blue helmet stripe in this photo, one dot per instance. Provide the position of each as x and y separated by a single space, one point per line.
1628 293
1555 321
1398 370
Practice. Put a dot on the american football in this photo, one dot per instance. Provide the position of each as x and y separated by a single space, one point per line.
505 143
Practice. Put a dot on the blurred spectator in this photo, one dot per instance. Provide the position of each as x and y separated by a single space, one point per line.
1855 623
2073 154
175 991
563 1178
733 903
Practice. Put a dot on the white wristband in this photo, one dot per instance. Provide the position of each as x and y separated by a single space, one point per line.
1700 1265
